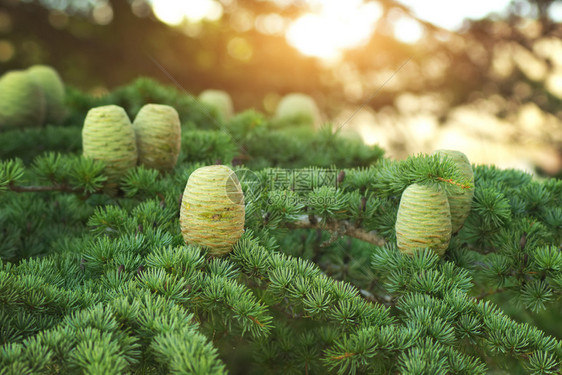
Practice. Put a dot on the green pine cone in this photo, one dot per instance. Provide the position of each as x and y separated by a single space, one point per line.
424 219
109 136
22 102
298 109
53 88
460 199
212 209
220 100
158 132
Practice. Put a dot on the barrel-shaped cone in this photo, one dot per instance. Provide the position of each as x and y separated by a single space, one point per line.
53 88
220 101
298 109
212 209
460 198
424 219
22 102
108 136
158 132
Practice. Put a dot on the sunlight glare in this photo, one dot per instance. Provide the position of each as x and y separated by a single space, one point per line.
167 12
333 26
407 30
450 14
174 12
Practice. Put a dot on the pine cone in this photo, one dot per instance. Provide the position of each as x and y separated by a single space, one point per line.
158 132
460 200
220 100
424 219
53 88
212 209
109 136
298 109
22 102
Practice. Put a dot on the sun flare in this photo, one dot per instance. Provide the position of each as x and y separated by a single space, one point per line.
332 26
407 30
175 12
325 29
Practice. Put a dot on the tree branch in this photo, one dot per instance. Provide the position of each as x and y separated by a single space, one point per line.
489 293
34 189
342 228
46 188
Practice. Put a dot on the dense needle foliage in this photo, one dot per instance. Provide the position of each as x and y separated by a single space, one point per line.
99 284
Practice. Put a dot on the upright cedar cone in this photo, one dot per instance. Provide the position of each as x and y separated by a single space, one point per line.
22 102
297 108
220 100
460 199
424 219
212 209
109 136
53 88
158 131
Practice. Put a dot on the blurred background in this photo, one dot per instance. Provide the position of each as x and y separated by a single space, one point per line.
412 76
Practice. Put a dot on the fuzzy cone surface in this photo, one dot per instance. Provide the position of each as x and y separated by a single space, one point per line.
460 200
53 88
220 100
423 219
298 108
109 136
158 133
212 209
22 102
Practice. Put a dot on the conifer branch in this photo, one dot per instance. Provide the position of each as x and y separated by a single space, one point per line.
489 293
342 228
44 188
452 182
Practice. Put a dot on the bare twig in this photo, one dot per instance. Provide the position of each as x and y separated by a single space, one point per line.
342 228
46 188
35 189
489 293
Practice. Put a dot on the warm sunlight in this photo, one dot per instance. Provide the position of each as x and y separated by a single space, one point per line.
332 26
407 30
326 28
174 12
450 14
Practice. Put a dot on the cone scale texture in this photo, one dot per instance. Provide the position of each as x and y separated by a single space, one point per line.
423 220
158 133
53 88
460 200
22 102
212 210
109 136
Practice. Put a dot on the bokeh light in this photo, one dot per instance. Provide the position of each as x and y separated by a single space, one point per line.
450 14
331 26
7 51
175 12
240 49
407 29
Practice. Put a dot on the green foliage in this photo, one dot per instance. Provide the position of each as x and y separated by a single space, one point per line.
30 143
93 283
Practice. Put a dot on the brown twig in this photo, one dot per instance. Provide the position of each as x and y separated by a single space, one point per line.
489 293
255 320
343 356
41 188
450 181
64 188
343 228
